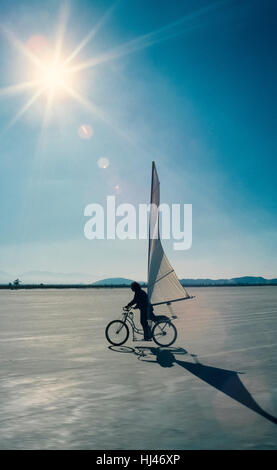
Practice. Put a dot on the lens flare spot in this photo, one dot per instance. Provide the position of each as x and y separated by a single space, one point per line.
38 45
85 131
103 162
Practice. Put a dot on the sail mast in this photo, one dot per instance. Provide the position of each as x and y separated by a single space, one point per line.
163 284
151 202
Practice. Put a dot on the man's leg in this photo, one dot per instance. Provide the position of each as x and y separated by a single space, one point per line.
144 323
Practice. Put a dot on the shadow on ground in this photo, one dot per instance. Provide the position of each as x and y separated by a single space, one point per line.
227 381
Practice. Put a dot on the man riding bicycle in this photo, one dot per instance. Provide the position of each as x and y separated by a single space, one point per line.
141 302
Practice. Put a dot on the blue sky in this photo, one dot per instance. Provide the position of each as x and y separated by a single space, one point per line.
189 84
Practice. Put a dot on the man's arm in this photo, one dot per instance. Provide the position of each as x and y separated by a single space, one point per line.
133 302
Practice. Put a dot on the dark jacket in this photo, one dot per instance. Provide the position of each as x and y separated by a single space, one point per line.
140 300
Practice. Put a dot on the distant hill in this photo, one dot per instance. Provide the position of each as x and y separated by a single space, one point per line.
253 280
113 281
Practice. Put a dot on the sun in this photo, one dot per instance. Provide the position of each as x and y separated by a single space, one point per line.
49 73
54 77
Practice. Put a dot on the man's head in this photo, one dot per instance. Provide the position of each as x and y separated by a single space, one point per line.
135 286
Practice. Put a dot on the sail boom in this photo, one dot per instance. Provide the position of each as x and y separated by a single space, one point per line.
168 302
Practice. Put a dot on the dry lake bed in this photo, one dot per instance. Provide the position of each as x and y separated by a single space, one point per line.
62 387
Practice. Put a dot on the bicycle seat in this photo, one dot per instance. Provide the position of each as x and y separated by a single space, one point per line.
158 318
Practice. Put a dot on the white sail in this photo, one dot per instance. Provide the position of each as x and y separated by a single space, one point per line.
164 287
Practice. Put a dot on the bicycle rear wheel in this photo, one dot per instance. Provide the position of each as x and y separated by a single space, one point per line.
117 332
164 333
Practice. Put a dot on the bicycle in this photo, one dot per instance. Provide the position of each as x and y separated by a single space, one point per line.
163 333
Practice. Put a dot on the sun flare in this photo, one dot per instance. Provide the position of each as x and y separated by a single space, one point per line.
54 77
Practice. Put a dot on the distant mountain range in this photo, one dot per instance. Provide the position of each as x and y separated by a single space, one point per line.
236 281
47 277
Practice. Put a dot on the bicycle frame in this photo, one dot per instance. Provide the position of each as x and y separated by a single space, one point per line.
127 317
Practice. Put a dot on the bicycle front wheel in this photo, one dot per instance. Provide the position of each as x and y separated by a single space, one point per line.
164 333
117 332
